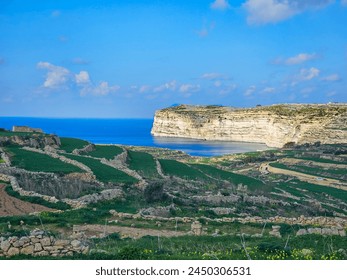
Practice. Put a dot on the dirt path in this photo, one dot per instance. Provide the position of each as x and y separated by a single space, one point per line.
310 162
305 177
128 231
11 206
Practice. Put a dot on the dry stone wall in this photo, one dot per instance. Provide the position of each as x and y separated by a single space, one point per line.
39 243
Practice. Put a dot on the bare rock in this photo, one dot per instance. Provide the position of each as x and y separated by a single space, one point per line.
12 251
5 245
29 250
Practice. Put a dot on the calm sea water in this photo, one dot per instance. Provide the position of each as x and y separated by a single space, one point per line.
134 132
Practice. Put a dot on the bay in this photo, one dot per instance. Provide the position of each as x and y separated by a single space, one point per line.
134 132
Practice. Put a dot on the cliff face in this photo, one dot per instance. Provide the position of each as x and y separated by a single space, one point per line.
274 125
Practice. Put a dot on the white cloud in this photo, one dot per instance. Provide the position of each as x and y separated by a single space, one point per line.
227 89
189 88
205 30
167 86
217 83
144 89
56 76
331 93
213 76
332 78
102 89
220 5
272 11
300 58
250 91
344 2
268 90
82 78
308 74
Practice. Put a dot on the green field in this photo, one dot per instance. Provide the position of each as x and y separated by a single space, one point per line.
143 163
322 160
69 144
314 171
39 162
103 172
234 178
182 170
221 248
336 193
107 152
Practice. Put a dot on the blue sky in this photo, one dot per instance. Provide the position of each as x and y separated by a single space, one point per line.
126 59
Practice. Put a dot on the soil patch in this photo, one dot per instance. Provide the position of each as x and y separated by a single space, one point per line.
11 206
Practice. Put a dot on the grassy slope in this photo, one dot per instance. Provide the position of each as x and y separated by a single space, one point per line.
314 171
107 152
142 163
229 176
39 162
103 172
182 170
69 144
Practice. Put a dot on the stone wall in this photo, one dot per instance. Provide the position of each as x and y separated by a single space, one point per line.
39 243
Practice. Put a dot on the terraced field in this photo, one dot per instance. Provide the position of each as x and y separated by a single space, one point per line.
103 172
182 170
70 144
234 178
314 171
38 162
105 151
143 163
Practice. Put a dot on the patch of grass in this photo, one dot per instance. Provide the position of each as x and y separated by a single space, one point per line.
143 163
336 193
37 200
322 160
314 171
37 162
107 152
234 178
103 172
69 144
182 170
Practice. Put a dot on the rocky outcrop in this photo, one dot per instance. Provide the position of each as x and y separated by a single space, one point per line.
35 141
275 125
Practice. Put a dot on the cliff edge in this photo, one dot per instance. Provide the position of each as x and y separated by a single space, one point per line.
275 125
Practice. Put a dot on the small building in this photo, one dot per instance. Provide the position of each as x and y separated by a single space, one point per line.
26 129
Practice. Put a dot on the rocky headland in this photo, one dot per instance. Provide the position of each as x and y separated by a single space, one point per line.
275 125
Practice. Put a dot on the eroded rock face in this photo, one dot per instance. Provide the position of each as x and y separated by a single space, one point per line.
274 125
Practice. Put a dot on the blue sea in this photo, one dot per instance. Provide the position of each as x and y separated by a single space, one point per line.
135 132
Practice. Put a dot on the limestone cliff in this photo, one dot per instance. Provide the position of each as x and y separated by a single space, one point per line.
274 125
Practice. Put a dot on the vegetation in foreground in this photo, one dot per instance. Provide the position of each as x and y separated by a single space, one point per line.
229 186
